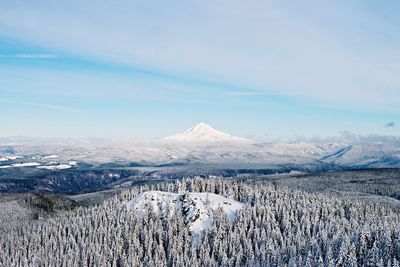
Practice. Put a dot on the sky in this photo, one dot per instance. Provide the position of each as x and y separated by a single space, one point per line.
260 69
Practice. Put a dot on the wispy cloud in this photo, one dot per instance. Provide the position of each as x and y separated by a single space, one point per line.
390 124
249 93
29 56
266 63
43 105
289 49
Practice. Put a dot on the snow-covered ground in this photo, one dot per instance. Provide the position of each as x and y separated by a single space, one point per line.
55 167
50 157
203 144
197 208
18 165
46 165
7 158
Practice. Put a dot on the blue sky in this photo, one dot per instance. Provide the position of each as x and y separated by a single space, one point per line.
265 69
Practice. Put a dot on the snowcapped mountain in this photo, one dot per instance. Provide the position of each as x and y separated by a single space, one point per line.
203 132
197 208
201 145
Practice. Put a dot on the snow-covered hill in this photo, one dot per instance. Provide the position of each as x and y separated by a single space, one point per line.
203 132
366 156
201 145
197 208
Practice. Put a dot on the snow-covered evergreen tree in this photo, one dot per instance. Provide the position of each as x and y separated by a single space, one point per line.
276 227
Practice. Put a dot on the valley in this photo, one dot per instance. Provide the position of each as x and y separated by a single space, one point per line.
201 197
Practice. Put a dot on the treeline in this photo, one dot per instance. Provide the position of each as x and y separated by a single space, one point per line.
277 227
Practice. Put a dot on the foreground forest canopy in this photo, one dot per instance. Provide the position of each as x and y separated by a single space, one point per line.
277 226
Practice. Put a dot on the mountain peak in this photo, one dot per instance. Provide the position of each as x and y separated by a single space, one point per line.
201 125
203 132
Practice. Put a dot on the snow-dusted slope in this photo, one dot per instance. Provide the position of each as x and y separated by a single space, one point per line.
18 165
230 151
366 156
204 133
197 208
56 167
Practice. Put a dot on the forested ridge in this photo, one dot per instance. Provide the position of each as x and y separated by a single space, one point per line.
277 227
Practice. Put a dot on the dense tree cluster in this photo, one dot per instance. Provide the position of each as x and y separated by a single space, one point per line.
277 227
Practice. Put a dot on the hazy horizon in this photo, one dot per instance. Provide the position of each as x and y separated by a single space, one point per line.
341 137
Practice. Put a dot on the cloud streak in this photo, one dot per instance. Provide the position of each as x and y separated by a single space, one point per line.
269 46
249 94
30 56
42 105
264 65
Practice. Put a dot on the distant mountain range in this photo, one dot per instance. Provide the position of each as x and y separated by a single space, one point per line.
199 145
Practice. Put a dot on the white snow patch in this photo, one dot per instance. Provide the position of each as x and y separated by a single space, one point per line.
116 175
17 165
55 167
197 208
14 157
6 166
26 164
50 157
6 158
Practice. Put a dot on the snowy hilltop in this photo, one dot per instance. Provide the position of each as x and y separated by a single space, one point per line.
203 132
197 208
